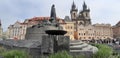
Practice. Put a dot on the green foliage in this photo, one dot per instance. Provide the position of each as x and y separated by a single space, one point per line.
2 50
80 56
15 54
62 54
104 51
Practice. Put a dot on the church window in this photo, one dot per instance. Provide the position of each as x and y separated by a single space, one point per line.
74 14
86 14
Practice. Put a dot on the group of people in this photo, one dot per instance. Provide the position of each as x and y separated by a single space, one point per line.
105 41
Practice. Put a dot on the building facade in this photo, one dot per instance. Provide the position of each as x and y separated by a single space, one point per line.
69 27
17 31
116 30
83 28
103 31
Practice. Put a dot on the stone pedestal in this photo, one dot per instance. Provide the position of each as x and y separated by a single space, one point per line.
53 43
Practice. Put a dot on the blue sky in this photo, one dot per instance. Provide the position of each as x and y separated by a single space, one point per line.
102 11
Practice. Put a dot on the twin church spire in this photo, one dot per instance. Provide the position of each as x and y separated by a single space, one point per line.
74 8
83 16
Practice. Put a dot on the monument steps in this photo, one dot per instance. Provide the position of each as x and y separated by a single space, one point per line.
78 46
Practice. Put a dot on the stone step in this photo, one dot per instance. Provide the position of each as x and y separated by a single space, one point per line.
88 47
75 41
76 46
72 44
81 47
74 51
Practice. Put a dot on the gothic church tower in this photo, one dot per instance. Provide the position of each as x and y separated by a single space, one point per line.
73 12
84 16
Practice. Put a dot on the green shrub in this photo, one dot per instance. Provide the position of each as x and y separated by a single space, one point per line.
104 51
62 54
2 50
80 56
15 54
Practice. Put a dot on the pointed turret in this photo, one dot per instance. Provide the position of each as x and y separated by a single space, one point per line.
53 13
84 15
73 8
73 11
84 6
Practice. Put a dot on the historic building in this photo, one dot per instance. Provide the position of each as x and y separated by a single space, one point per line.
83 28
103 31
81 18
17 30
116 30
69 27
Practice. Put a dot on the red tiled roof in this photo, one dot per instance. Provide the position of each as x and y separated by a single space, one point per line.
34 19
42 18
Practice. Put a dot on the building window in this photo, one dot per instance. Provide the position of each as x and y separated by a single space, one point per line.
89 37
74 15
80 38
71 27
89 29
84 37
84 33
81 29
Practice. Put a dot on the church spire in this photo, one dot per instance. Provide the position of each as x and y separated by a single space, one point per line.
73 11
53 13
73 6
84 6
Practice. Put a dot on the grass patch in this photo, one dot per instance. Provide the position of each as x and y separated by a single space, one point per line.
104 51
15 54
62 54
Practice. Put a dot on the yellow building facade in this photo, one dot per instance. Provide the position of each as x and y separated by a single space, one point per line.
69 27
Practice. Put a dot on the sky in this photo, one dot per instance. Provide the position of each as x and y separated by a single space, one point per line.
101 11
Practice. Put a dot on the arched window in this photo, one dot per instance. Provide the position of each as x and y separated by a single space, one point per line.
74 14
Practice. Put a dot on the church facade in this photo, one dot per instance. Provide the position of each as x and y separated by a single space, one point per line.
83 27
